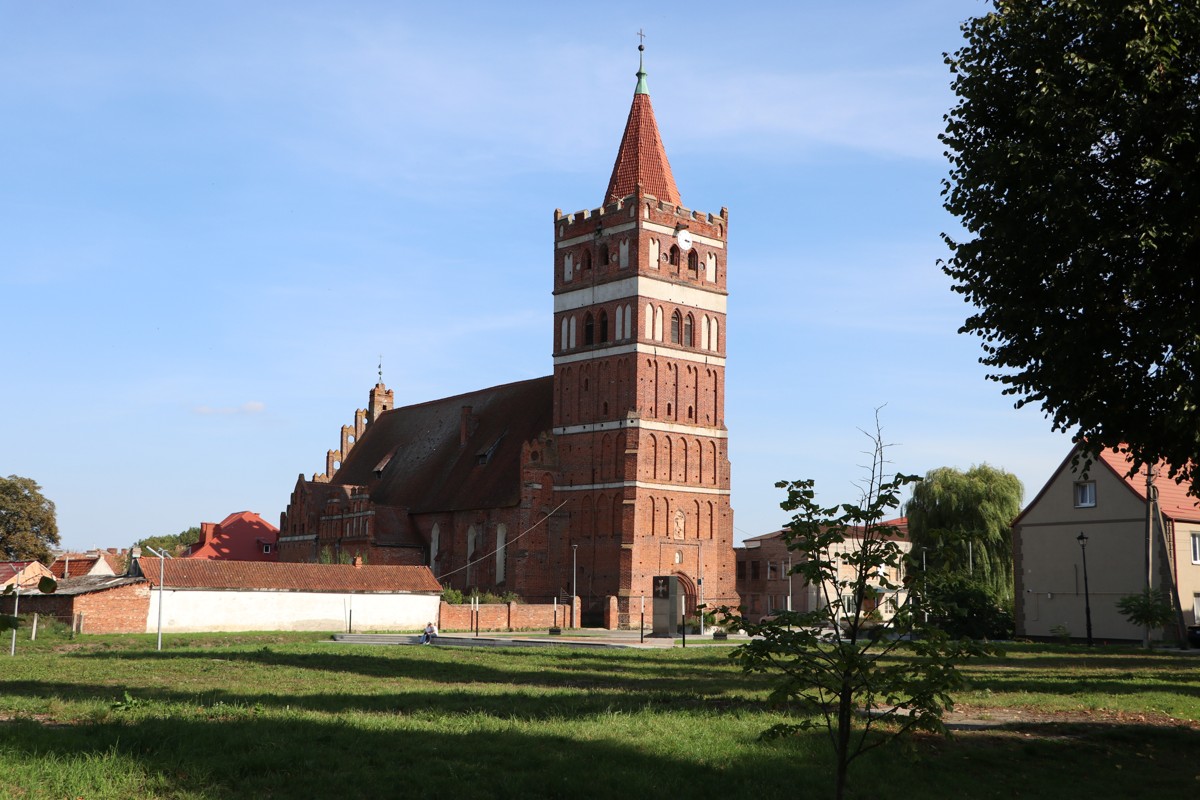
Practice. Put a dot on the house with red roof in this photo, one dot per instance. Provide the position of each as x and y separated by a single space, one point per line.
95 562
22 573
1134 532
199 594
243 536
590 481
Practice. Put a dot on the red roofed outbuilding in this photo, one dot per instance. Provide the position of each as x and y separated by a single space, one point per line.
244 536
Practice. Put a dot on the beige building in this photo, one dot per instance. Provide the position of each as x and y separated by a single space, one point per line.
766 586
1109 507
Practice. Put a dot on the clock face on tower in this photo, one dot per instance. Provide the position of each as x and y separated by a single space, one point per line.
684 240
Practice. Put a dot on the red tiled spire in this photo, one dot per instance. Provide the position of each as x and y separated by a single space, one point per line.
641 159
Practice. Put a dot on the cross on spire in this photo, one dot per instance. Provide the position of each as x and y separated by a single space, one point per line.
641 39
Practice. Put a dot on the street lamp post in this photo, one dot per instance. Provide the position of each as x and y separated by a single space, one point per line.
162 560
574 585
924 587
1087 602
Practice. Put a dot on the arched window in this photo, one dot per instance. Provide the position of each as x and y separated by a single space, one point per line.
714 342
568 266
623 254
676 327
603 254
693 263
674 261
658 323
585 262
688 325
704 332
589 330
435 540
571 337
603 322
649 321
653 248
620 322
628 321
563 338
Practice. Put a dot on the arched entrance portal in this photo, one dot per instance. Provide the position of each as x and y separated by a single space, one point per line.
687 594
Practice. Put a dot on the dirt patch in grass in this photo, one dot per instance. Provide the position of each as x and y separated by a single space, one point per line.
969 717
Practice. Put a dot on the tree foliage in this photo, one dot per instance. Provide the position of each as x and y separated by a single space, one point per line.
1151 609
172 543
1075 153
834 660
28 528
965 607
962 522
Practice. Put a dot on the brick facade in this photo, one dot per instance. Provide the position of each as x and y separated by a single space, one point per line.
615 469
118 609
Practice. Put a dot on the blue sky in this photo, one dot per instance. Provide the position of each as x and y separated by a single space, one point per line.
218 216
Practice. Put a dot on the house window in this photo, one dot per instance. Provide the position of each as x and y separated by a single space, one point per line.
770 570
741 565
1196 548
267 547
754 570
1085 494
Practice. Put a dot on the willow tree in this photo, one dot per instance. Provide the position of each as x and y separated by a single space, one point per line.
961 522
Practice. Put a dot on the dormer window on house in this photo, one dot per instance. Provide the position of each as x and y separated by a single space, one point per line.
1085 494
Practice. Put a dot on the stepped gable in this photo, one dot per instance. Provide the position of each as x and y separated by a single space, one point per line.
641 165
415 458
187 573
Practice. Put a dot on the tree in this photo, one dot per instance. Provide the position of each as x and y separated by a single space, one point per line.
172 543
1075 153
834 659
1151 609
28 528
962 522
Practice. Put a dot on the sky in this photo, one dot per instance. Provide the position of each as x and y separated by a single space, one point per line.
216 218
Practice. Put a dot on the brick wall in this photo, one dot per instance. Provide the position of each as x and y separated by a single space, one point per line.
122 609
508 616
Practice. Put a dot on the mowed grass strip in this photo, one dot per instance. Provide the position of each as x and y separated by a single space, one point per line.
292 715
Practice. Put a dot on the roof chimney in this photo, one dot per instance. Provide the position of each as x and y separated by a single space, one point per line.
464 426
357 562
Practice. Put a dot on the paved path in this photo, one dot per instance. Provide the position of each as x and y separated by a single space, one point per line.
582 639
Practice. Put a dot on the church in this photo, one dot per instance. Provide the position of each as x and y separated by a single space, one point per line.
589 481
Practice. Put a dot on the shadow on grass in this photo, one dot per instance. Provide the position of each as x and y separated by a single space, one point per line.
290 757
516 666
302 758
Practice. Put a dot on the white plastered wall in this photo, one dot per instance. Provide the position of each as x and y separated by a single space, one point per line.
192 610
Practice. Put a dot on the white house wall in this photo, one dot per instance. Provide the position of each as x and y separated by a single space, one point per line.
193 610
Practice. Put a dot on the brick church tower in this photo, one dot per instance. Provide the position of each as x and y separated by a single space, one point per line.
639 384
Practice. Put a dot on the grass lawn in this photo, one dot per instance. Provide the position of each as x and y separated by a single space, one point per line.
292 715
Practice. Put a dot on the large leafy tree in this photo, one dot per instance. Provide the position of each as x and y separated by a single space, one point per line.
1075 153
28 528
961 522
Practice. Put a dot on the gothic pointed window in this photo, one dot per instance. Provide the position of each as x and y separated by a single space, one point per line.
603 255
589 330
602 321
585 262
693 263
674 261
676 327
687 330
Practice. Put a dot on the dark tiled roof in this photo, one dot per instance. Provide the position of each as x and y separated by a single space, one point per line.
641 158
427 470
190 573
86 584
